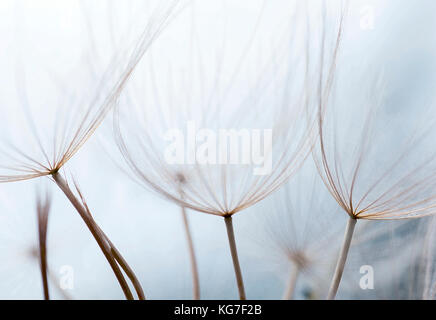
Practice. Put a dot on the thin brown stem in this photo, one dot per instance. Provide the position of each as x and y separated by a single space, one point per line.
292 281
234 252
95 231
342 258
127 269
43 210
116 254
43 264
192 258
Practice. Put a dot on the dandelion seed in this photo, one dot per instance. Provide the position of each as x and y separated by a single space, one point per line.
366 178
213 95
297 233
42 148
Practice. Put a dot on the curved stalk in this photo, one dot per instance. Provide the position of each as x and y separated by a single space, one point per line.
95 231
342 258
43 211
292 281
234 253
44 271
192 258
125 266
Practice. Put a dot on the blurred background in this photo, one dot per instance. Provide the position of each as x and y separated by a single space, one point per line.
63 46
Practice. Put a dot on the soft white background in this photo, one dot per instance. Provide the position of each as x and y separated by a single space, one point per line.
55 37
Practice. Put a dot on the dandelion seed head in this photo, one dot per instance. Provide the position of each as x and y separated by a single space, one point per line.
53 113
375 166
216 89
